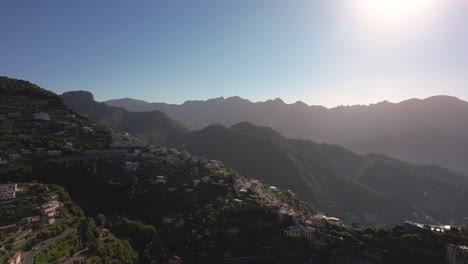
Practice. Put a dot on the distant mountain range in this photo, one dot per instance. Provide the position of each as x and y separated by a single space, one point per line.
433 130
359 188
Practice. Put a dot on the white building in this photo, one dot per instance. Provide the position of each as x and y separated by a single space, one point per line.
293 231
49 208
7 196
87 129
8 191
147 155
41 116
131 166
14 156
54 153
160 179
8 187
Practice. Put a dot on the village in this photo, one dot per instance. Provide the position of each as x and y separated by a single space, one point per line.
25 209
179 175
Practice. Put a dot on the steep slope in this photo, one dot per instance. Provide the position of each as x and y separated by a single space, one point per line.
154 126
370 189
185 196
433 130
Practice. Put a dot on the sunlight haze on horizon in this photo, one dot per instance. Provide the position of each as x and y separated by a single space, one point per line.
339 52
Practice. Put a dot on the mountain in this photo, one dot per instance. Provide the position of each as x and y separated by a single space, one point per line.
358 188
433 130
204 211
152 126
195 203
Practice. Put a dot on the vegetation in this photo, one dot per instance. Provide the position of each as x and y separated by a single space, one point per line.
336 180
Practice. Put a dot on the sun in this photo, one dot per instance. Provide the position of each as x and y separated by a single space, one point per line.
394 14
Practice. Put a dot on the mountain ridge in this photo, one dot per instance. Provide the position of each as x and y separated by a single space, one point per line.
331 176
430 130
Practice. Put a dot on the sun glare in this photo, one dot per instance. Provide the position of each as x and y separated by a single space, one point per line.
394 15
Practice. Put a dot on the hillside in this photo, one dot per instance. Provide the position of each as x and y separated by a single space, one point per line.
432 130
194 202
358 188
153 126
152 204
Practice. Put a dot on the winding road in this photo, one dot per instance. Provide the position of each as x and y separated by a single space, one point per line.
29 257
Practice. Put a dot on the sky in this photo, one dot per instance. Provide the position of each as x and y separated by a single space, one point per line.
321 52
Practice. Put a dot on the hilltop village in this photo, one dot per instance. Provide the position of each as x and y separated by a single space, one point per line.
164 204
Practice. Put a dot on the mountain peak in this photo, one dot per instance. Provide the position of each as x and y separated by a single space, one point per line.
254 130
443 99
81 95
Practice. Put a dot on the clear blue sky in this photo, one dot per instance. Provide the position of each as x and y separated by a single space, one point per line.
328 52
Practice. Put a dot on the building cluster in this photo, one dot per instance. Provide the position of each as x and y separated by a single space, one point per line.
8 191
28 153
15 259
41 116
409 226
457 254
46 212
124 140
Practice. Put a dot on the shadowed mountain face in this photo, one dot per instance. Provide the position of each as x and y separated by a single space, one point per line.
152 126
433 130
359 188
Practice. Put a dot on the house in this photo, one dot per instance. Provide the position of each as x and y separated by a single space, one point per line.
50 220
40 151
49 208
8 187
194 171
206 179
194 161
160 180
87 130
155 149
69 145
3 162
174 151
7 196
185 155
54 153
14 115
41 116
457 254
174 162
293 231
26 152
166 220
9 229
30 219
131 166
307 232
233 230
196 182
8 191
16 259
189 190
14 156
175 260
147 155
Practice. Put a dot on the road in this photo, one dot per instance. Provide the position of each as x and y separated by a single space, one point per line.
29 258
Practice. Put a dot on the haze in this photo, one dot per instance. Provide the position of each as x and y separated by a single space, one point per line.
320 52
